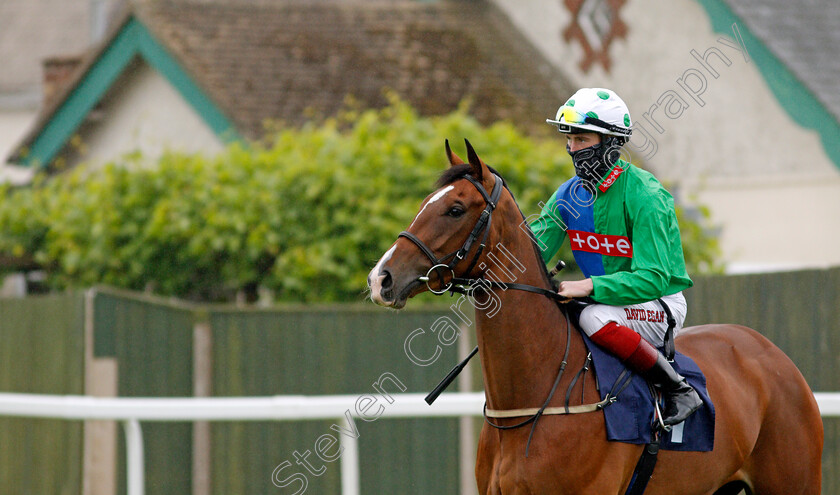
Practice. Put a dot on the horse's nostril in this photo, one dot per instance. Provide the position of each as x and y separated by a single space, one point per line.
388 281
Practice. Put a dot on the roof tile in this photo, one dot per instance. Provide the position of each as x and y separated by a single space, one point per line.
805 36
288 60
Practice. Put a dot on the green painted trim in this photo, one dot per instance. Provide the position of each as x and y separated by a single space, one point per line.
133 40
160 59
797 100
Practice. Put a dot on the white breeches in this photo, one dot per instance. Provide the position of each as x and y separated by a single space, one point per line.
647 319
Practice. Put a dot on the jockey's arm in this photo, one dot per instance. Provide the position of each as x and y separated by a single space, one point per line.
657 267
549 230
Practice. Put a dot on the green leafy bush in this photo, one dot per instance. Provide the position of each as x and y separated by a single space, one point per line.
305 213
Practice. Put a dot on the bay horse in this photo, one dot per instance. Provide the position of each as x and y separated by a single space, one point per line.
768 430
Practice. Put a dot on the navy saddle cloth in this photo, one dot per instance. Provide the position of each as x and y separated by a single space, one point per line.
629 419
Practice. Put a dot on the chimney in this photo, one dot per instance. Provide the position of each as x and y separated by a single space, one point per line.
58 71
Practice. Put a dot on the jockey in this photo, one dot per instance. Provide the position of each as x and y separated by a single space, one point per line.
623 232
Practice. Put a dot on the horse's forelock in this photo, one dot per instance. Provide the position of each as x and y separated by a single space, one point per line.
452 174
456 172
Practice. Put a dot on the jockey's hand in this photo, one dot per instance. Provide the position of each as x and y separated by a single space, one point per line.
576 288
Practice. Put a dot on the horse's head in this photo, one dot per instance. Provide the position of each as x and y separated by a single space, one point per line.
449 232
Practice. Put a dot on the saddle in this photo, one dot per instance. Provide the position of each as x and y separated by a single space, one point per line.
631 418
635 414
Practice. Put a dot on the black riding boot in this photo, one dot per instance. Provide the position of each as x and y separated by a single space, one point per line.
681 400
640 356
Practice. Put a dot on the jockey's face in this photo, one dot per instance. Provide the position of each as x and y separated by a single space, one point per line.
583 140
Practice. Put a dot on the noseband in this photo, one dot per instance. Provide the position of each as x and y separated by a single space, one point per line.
482 224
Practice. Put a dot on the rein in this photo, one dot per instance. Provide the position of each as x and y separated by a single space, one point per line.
536 416
466 285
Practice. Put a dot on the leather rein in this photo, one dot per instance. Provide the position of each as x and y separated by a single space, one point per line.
466 285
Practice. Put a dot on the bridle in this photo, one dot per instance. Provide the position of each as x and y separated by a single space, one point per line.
481 225
462 285
457 284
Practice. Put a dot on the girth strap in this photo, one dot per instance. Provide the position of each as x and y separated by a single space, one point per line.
644 468
516 413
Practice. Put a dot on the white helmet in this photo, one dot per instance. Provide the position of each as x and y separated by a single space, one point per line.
594 110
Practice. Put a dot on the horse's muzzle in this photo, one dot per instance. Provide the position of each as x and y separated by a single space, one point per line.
387 290
381 286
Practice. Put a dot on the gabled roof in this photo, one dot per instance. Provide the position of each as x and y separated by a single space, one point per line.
794 44
805 36
242 64
101 67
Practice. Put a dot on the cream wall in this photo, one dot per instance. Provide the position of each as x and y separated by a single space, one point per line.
780 224
143 111
760 173
13 126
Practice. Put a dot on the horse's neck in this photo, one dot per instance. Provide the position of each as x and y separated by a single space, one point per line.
522 337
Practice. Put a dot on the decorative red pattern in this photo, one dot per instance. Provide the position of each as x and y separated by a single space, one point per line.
582 27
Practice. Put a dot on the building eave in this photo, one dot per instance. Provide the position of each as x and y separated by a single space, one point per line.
797 100
60 120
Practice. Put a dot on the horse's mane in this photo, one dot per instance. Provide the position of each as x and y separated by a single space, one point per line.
457 172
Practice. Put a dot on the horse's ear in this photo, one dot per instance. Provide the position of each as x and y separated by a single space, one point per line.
453 158
479 168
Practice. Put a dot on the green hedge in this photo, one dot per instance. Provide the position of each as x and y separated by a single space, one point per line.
305 213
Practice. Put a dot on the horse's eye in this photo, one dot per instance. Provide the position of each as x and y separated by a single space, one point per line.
456 211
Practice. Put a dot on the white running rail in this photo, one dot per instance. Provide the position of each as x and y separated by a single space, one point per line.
131 411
